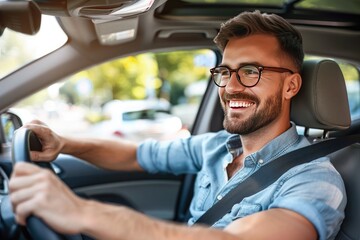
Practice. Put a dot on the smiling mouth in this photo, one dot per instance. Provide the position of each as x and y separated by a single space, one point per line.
240 104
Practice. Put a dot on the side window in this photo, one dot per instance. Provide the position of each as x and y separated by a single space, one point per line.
150 95
352 80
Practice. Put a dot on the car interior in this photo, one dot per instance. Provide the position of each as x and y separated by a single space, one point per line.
101 31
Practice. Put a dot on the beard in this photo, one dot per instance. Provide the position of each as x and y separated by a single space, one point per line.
263 115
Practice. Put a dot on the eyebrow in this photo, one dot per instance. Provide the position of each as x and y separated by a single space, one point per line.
242 64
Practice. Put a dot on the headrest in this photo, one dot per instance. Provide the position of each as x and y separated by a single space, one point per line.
322 101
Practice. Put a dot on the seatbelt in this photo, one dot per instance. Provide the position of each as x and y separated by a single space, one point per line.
272 171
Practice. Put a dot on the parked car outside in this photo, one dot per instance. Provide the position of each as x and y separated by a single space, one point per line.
140 119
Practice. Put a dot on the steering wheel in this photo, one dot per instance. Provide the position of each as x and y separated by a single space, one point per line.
25 140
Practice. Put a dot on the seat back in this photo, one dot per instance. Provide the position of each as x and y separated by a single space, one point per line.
322 103
347 162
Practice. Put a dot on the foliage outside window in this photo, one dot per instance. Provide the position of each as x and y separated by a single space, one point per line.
178 77
149 75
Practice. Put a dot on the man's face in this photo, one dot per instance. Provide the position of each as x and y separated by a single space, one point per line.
249 109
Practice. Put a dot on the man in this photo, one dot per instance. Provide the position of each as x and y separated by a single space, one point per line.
259 75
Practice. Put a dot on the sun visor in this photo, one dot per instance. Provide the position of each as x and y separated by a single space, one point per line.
116 32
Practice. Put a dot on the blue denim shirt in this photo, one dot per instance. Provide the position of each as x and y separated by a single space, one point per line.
315 190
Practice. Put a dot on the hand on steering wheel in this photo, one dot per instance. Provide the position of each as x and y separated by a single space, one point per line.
25 140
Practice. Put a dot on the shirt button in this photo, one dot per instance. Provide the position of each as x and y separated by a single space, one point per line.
219 197
261 161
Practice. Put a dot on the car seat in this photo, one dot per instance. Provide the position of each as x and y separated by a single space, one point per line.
322 103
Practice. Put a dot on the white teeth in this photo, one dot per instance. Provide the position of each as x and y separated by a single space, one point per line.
237 104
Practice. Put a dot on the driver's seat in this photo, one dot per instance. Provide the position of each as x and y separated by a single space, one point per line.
322 103
347 162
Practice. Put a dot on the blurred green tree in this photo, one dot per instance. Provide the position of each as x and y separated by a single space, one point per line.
149 75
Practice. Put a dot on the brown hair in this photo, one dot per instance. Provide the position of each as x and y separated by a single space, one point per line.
248 23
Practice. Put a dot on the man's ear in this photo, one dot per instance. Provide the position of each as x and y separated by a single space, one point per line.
292 85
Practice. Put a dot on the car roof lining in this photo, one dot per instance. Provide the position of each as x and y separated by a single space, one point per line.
161 32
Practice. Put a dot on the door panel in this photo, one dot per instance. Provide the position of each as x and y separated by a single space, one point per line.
156 198
153 194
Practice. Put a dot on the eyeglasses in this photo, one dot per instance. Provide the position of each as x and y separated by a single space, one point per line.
247 75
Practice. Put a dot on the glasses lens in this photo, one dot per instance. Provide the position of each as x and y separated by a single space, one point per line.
249 75
221 76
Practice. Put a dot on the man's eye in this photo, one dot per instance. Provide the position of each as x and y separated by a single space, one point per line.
249 72
224 73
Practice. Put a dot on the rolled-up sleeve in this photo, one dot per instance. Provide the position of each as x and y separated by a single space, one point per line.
318 194
181 155
171 157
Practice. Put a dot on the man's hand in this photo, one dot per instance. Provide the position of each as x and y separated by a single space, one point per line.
51 142
37 191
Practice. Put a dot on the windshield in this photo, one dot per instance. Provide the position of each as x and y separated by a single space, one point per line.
17 49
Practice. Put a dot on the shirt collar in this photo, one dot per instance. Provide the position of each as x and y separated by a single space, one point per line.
275 148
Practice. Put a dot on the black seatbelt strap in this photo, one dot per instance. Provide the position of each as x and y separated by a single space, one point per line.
272 171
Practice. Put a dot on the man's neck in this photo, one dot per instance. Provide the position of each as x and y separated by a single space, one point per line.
254 141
